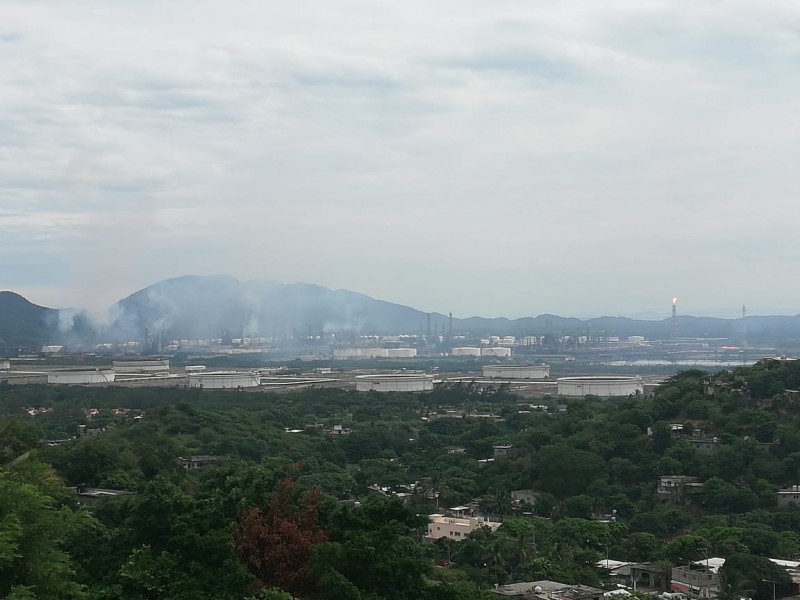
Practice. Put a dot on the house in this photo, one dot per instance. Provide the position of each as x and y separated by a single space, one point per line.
547 590
524 497
701 579
461 511
456 528
789 496
698 579
639 576
501 449
338 431
89 496
673 488
676 429
705 445
197 462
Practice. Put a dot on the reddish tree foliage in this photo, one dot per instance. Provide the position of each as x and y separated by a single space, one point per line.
276 545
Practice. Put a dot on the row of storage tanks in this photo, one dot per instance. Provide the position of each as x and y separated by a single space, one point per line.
120 369
374 352
495 351
391 382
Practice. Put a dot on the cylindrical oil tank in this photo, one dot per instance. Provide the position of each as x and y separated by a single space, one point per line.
394 382
496 351
465 351
605 387
80 376
218 380
517 371
402 352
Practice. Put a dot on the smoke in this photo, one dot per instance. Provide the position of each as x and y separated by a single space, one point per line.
343 326
203 307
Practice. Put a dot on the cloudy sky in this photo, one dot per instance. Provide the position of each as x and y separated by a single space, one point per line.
494 157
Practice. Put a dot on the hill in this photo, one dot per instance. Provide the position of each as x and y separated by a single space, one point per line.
201 307
23 323
194 307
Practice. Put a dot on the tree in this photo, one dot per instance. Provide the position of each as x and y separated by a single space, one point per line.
277 546
755 573
32 532
642 546
372 552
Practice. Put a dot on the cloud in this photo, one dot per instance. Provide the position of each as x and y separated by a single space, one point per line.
427 153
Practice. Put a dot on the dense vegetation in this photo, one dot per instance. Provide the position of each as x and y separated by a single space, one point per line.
290 513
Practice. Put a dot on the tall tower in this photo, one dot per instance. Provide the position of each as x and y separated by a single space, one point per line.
450 332
674 331
744 327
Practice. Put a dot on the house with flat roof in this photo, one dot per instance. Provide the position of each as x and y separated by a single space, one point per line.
789 496
699 579
673 488
456 528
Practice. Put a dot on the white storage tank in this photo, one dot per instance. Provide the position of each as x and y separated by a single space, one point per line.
605 387
142 368
346 352
496 351
81 376
466 351
394 382
374 353
220 380
402 352
517 371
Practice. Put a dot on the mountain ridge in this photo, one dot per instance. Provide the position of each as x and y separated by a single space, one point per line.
201 307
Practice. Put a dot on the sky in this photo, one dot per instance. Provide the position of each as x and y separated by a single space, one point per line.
493 158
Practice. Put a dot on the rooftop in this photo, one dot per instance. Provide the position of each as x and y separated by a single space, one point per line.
547 590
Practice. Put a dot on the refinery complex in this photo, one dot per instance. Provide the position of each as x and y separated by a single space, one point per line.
595 364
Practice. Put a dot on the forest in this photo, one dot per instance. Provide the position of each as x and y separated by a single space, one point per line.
325 493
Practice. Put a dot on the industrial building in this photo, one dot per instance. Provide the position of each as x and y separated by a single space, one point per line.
219 380
5 365
517 371
394 382
81 376
605 387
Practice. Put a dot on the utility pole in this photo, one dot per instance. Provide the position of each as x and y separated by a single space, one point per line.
773 586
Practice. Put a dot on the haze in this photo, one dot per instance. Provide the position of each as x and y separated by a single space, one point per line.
494 158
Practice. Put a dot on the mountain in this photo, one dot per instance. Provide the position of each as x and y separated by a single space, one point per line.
23 323
194 307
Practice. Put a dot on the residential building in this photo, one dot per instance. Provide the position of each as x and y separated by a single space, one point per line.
501 449
705 445
699 579
456 528
789 496
641 576
193 463
89 496
673 488
521 497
